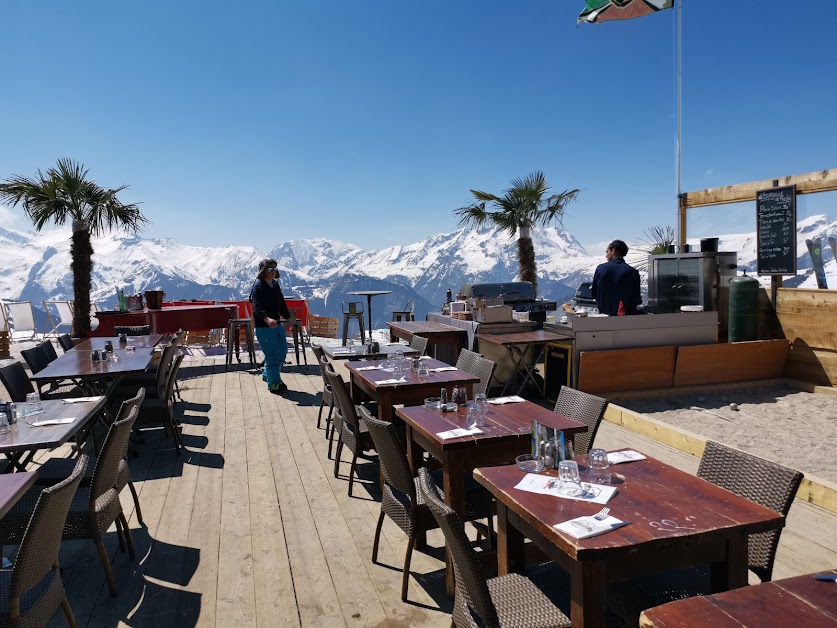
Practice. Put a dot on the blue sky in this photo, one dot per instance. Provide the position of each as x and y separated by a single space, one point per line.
368 121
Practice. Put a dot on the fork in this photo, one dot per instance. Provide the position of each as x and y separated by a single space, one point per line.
602 514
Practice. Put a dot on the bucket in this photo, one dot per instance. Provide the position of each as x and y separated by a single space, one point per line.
154 299
134 303
709 245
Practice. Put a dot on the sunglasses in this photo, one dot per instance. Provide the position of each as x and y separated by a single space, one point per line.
272 270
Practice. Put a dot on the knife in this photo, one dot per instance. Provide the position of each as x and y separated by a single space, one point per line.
826 577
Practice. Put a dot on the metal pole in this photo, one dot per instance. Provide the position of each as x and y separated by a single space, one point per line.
681 215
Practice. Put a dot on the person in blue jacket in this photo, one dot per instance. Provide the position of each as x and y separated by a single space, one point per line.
616 281
269 309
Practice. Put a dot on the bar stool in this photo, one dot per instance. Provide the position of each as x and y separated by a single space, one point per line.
295 326
408 313
353 310
234 328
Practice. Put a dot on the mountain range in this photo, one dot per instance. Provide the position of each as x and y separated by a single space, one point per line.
36 267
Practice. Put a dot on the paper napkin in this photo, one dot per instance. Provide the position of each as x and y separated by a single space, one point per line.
370 368
510 399
459 432
392 381
425 357
585 527
550 485
52 422
443 368
80 399
629 455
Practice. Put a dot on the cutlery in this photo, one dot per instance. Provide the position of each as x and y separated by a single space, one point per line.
584 525
602 514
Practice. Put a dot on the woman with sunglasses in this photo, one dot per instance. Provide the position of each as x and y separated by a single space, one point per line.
269 309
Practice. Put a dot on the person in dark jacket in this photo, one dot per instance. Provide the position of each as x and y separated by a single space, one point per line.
616 281
269 309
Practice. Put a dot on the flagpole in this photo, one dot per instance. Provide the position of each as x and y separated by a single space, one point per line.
681 213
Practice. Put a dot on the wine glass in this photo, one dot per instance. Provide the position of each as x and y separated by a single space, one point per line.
570 480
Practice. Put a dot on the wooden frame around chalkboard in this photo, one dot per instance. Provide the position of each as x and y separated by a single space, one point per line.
792 243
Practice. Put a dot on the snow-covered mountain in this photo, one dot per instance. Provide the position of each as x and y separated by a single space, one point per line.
36 266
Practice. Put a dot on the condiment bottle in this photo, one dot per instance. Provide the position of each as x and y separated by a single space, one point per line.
621 310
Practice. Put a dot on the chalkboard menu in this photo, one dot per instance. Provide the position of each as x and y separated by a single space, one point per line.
776 231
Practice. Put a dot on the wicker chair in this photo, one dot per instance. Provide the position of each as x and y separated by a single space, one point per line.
132 330
510 600
401 500
351 429
56 469
32 588
419 343
484 369
36 358
327 398
158 406
466 360
66 342
93 509
49 351
761 481
585 408
16 381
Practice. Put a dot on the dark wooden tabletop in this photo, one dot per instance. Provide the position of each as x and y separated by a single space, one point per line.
649 494
521 338
422 328
137 341
342 353
77 364
438 379
799 602
25 437
12 488
502 421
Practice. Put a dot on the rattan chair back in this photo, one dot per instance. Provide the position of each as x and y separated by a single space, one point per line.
391 454
49 350
484 369
106 471
584 408
66 342
345 406
36 573
419 343
470 583
36 358
465 361
767 483
16 381
132 330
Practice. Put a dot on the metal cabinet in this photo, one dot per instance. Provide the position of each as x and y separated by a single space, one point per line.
691 279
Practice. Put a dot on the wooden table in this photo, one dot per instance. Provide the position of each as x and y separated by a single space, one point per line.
414 391
369 294
506 435
24 440
523 348
677 520
438 337
342 353
800 602
12 488
145 342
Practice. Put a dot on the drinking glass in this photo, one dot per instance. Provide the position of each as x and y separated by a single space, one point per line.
570 480
4 423
390 365
422 370
33 403
475 417
398 370
350 345
399 357
597 459
481 401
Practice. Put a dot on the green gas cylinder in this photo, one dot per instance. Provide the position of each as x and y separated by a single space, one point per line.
743 309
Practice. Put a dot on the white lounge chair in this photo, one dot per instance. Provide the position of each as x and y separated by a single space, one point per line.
20 318
64 311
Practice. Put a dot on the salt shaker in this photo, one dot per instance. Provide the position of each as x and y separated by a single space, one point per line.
444 396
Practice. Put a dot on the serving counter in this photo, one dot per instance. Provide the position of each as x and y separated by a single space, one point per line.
169 319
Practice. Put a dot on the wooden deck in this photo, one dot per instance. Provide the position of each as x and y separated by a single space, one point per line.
248 526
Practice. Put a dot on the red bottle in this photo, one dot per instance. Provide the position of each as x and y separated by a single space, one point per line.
621 310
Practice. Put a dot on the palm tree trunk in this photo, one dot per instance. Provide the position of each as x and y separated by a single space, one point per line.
526 258
81 253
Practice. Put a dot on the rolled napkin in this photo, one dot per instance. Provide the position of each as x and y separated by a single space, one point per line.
370 368
81 399
459 432
52 422
425 357
392 381
585 527
498 401
629 455
443 368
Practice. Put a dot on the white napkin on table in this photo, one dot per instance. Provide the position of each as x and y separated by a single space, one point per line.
459 432
510 399
370 368
81 399
52 422
392 381
425 357
629 455
443 368
585 527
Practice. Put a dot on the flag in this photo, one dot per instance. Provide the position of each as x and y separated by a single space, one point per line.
603 10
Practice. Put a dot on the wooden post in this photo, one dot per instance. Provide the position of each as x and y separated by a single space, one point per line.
775 284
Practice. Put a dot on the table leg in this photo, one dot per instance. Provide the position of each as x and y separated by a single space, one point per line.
369 310
588 593
731 574
509 543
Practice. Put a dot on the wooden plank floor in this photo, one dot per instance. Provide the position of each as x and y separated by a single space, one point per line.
249 527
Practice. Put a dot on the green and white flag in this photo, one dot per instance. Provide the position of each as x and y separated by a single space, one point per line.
603 10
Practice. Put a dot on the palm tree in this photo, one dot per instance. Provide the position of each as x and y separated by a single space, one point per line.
520 208
64 193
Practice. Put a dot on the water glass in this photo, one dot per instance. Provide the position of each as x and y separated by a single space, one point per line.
390 365
350 345
12 412
570 480
33 403
4 423
481 401
422 370
597 460
399 356
475 417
